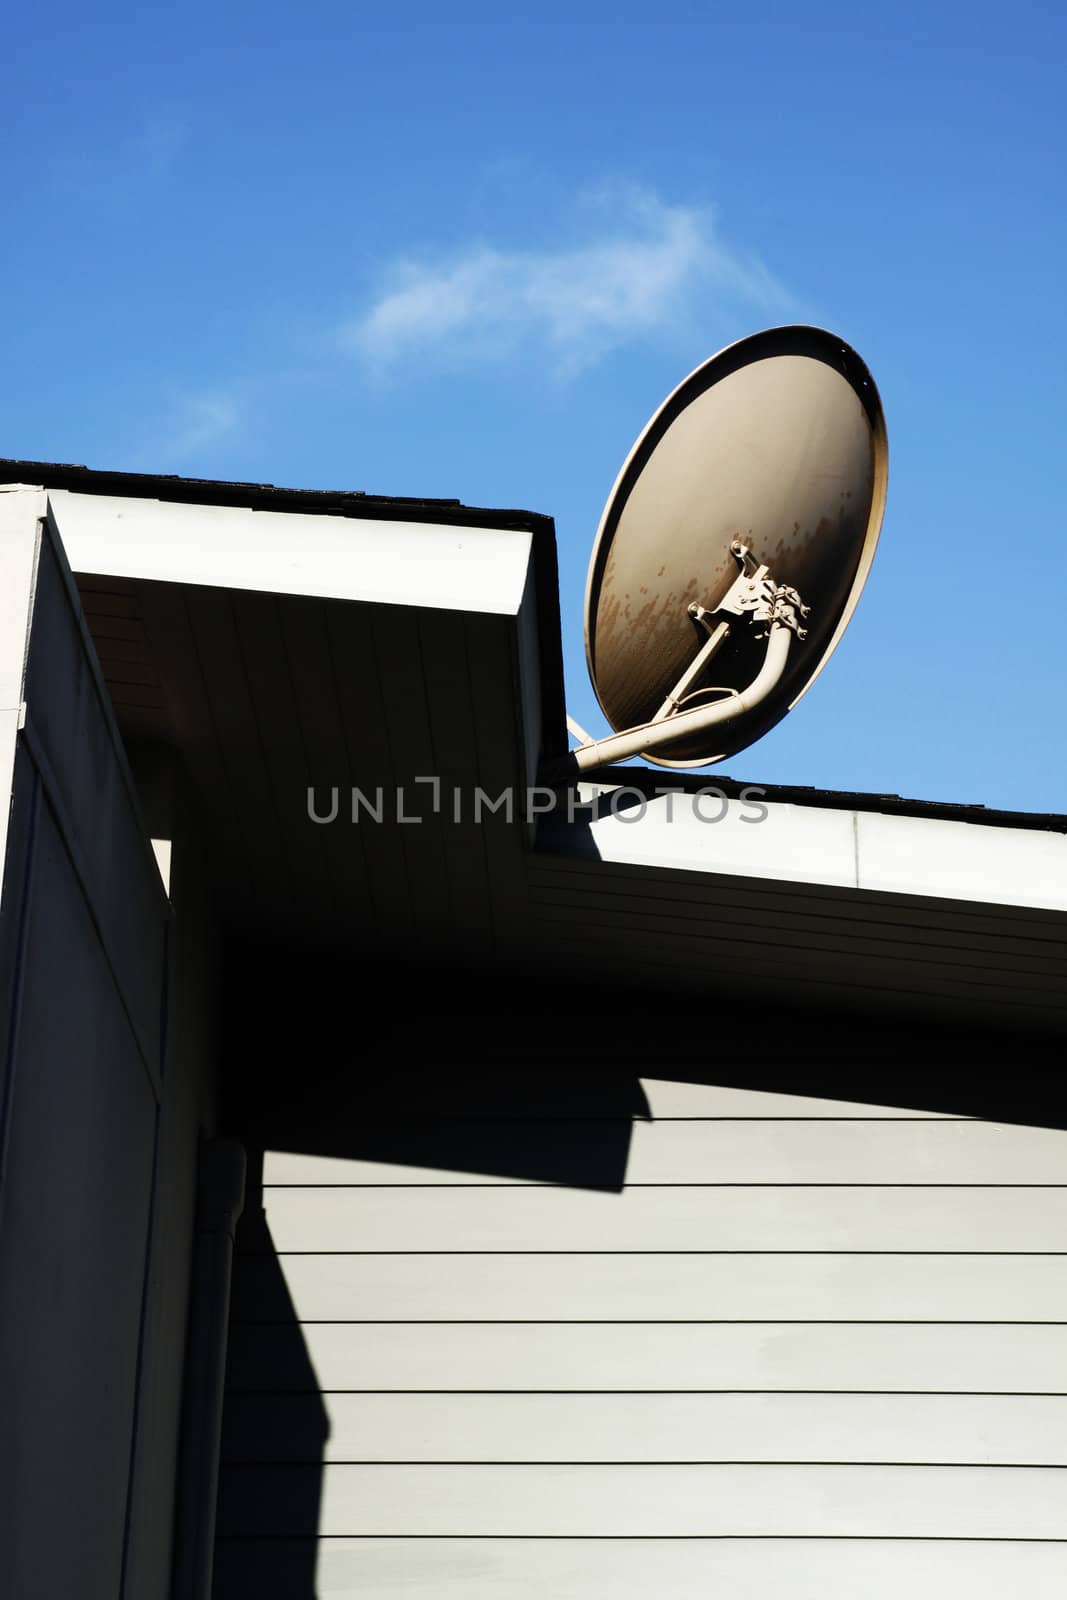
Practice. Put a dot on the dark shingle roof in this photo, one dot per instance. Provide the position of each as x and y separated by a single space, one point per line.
209 491
402 508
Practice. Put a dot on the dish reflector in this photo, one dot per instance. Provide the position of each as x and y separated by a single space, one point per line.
764 470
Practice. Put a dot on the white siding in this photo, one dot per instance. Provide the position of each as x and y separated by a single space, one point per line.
679 1217
763 1356
105 1081
636 1569
809 1348
765 1151
615 1287
665 1502
1015 1430
83 955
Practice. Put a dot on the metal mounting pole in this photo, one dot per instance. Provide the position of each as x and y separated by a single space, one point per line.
754 594
656 735
717 636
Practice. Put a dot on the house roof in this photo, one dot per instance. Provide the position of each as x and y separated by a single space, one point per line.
297 652
265 496
448 513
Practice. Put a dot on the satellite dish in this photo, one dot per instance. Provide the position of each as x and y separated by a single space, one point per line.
733 549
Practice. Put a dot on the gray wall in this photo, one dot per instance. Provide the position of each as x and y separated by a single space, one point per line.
103 1096
802 1347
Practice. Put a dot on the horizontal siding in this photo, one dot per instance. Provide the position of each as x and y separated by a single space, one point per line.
964 1430
840 1324
610 1287
786 951
630 1569
683 1217
658 927
673 1502
801 976
591 1096
631 889
947 1357
764 1151
670 1098
856 947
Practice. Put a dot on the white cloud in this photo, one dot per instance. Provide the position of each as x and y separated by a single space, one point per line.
117 178
198 423
658 266
208 418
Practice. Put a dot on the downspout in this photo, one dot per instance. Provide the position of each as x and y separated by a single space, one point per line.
220 1199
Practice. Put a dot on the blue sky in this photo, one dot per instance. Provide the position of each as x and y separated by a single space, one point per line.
467 251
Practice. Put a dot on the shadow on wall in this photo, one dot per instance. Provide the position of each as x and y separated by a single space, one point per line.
503 1088
335 1051
267 1358
561 1128
457 1069
565 1128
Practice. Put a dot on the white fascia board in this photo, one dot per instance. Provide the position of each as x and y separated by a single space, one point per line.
933 858
21 510
707 833
22 506
962 861
299 553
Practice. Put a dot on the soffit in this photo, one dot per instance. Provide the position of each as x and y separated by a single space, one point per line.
269 693
410 676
